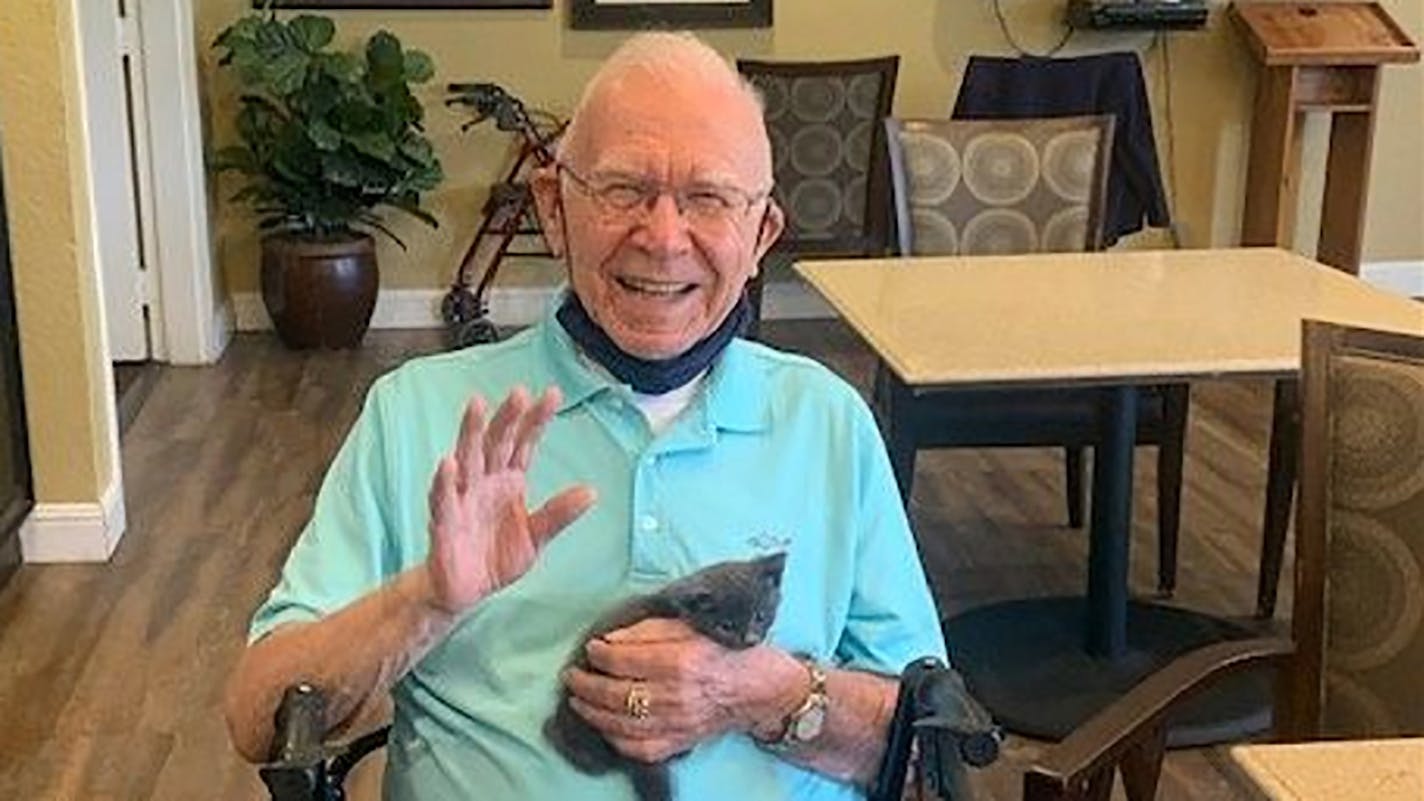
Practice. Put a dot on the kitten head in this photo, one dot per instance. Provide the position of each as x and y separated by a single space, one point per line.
731 603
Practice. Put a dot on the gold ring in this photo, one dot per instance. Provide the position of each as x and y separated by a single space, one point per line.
638 702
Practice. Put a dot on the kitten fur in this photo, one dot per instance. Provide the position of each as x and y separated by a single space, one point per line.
730 603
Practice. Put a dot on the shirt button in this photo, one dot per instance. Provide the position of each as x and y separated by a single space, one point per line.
648 523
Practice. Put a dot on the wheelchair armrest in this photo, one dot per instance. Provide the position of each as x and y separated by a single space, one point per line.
935 709
301 766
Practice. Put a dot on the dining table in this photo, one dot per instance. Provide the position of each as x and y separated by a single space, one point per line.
1113 321
1331 770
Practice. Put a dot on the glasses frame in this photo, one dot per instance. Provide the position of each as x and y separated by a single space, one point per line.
639 211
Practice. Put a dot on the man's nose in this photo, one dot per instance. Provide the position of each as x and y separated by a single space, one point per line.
665 229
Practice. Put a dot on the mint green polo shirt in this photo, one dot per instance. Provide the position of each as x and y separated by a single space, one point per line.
774 453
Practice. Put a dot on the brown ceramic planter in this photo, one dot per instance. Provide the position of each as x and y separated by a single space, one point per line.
320 294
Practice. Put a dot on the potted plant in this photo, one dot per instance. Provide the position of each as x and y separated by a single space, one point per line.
328 139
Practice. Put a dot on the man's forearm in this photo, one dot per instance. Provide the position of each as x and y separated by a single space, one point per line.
858 712
852 739
353 655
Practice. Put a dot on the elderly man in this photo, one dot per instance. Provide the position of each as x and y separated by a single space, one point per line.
659 444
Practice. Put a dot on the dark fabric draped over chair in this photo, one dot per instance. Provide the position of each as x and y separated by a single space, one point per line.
968 187
1105 83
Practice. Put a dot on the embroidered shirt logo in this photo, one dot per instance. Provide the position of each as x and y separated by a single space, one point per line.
769 541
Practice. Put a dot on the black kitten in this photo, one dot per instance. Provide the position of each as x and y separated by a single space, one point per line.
730 603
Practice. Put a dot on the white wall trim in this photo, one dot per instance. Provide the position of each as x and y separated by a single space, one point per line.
75 532
1402 277
420 308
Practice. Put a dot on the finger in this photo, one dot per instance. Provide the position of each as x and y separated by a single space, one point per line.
469 445
499 438
601 691
559 511
442 489
653 629
636 660
532 427
615 724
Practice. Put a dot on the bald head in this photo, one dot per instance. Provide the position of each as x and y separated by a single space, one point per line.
686 76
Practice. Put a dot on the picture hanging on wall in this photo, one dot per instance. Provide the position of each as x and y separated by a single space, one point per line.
406 4
637 14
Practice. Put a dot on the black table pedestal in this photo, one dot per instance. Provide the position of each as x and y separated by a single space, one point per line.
1025 662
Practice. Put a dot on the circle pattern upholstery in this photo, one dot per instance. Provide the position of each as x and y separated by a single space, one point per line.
1378 436
822 130
1005 186
1001 169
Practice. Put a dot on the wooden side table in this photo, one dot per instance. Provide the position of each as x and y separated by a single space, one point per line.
1315 57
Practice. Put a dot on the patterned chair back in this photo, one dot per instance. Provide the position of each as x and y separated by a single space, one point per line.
968 187
1359 601
824 122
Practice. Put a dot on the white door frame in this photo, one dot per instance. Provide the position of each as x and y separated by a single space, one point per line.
196 319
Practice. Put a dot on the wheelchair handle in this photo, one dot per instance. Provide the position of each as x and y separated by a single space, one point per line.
296 767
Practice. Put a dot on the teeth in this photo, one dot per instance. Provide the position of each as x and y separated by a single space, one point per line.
653 287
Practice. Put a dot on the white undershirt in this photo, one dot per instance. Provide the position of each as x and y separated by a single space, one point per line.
662 410
659 410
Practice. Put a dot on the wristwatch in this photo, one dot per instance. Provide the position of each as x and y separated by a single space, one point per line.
805 723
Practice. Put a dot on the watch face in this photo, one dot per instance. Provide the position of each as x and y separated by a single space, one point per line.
808 726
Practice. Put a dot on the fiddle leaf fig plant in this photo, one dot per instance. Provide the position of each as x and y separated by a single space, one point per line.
329 138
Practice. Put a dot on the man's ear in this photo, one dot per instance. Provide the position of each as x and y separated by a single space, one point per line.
544 183
773 222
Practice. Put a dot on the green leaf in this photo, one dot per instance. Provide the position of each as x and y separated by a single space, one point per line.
374 144
343 67
416 212
235 158
418 150
340 171
323 135
311 32
385 64
375 222
418 66
287 72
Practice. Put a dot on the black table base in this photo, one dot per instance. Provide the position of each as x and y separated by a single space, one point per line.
1025 662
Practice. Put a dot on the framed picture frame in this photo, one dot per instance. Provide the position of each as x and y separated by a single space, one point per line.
398 5
632 14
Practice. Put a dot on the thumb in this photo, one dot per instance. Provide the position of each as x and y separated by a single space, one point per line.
559 511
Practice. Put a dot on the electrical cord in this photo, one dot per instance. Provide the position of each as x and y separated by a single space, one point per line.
1020 49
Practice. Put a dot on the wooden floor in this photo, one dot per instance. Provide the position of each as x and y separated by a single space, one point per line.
110 675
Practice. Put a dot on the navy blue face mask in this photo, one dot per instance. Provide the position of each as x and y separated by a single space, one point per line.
649 376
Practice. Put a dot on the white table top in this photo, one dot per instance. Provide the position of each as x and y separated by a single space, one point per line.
1342 770
1097 317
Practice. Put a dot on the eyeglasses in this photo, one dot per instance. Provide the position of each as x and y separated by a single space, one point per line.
627 198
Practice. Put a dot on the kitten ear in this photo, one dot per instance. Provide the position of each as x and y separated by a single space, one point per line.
772 567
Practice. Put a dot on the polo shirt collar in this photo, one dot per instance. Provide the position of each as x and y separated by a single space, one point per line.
735 394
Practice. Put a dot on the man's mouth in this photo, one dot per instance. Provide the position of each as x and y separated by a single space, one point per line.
664 289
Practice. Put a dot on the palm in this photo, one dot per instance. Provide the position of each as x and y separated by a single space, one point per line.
482 534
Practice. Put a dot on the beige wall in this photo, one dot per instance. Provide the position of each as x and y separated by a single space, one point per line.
55 285
535 55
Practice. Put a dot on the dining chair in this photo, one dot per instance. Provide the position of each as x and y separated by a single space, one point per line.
970 187
828 158
1359 564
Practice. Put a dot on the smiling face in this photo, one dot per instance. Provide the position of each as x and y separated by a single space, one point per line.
656 282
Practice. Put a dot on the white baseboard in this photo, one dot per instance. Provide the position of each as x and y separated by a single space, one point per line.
1402 277
75 532
514 306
